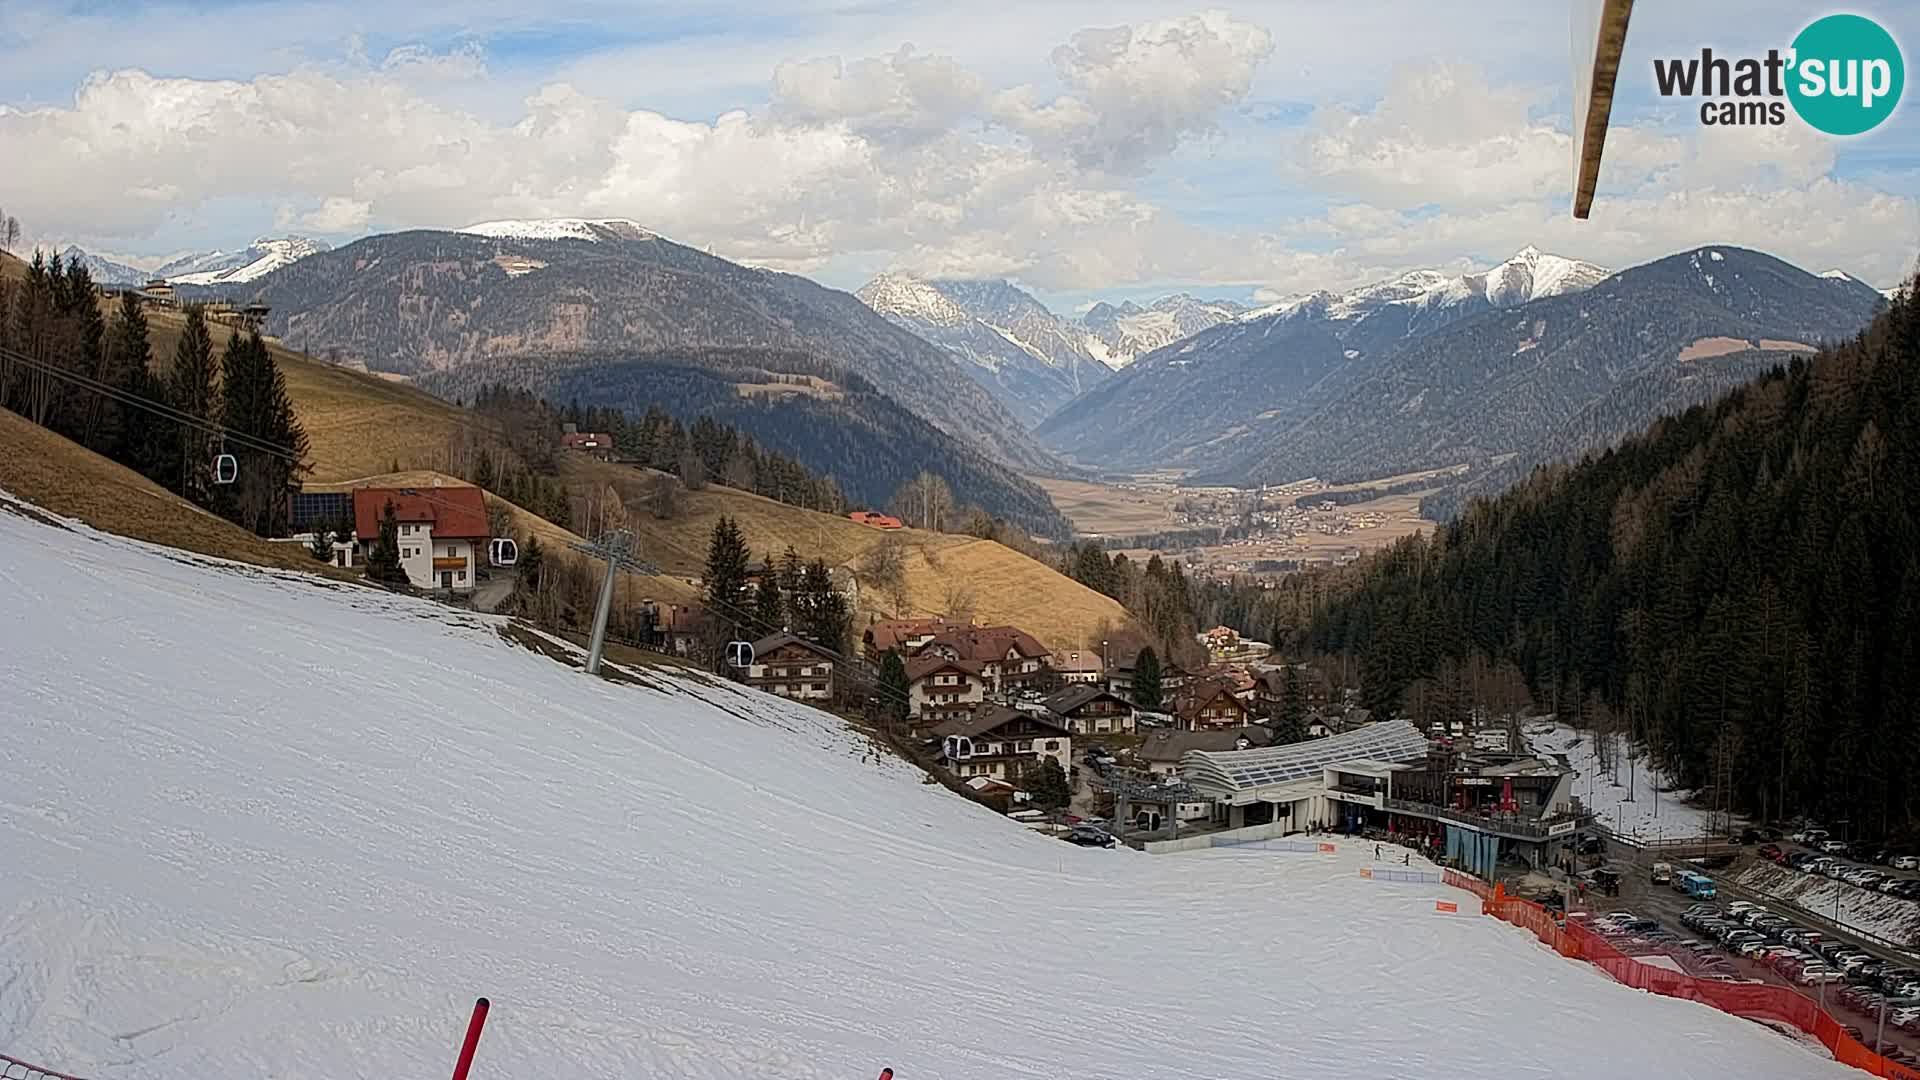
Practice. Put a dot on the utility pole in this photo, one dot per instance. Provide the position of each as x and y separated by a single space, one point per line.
615 546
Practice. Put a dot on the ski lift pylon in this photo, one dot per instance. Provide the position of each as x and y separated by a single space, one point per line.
503 551
225 469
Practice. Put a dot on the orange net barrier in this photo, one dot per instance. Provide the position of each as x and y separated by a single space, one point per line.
1753 1001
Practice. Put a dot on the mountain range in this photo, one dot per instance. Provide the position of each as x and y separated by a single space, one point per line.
1536 359
250 263
613 314
1032 360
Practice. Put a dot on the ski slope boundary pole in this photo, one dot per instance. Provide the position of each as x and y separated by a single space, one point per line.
473 1040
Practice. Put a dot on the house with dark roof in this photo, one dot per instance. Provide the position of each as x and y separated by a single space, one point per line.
1209 704
443 532
792 667
939 689
1001 743
1312 684
1092 710
1120 674
673 628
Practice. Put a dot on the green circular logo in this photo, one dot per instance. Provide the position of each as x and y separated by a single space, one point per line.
1846 74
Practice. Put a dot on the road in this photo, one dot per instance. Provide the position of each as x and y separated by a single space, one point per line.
1660 902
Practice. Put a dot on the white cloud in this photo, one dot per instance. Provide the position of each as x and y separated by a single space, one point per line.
335 214
897 96
920 161
1138 91
1441 135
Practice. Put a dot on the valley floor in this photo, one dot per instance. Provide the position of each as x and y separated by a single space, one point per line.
259 824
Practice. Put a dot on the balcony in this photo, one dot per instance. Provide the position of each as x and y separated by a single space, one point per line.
1519 826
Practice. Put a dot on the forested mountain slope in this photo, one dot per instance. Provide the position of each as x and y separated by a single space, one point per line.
832 421
1739 587
417 302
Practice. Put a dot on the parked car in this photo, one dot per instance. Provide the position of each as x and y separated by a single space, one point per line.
1091 836
1833 847
1905 862
1771 852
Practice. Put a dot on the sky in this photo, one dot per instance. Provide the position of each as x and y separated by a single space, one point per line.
1084 150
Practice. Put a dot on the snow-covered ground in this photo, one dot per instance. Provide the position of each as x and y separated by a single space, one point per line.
257 826
1887 917
1669 817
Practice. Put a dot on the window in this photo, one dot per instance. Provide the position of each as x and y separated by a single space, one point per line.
1053 744
460 576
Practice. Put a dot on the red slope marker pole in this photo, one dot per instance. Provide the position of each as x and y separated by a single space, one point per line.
886 1074
473 1039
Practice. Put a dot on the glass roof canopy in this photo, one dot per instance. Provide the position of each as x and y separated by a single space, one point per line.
1227 771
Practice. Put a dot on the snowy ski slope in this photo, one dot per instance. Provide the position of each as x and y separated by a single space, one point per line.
255 826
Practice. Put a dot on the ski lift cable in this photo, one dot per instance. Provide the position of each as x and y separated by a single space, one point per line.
248 442
212 428
161 409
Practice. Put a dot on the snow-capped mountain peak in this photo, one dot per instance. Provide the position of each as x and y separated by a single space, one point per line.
1837 275
1530 274
910 298
262 257
592 230
1533 274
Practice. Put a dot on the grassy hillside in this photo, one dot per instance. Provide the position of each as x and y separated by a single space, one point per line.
60 475
525 522
357 424
1004 585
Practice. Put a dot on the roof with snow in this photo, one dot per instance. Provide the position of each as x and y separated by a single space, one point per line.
1242 770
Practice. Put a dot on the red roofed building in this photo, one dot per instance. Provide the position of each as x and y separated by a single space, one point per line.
905 636
876 520
597 443
1009 658
443 531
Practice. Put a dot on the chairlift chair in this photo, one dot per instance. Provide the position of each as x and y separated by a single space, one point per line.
503 551
225 469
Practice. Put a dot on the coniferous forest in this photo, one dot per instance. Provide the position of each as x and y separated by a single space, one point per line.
69 367
1737 589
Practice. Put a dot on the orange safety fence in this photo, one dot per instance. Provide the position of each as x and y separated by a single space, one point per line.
1753 1001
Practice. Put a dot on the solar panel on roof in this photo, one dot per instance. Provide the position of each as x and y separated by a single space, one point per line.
1395 742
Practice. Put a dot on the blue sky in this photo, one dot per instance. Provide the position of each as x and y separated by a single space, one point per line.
1086 150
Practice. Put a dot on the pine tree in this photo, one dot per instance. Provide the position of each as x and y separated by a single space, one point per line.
383 560
1046 785
769 610
1146 680
894 690
139 441
1290 726
321 545
821 614
190 390
726 572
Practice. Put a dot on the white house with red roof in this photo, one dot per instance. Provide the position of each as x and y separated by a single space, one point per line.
442 532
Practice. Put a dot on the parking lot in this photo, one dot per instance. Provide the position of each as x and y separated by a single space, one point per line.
1701 948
